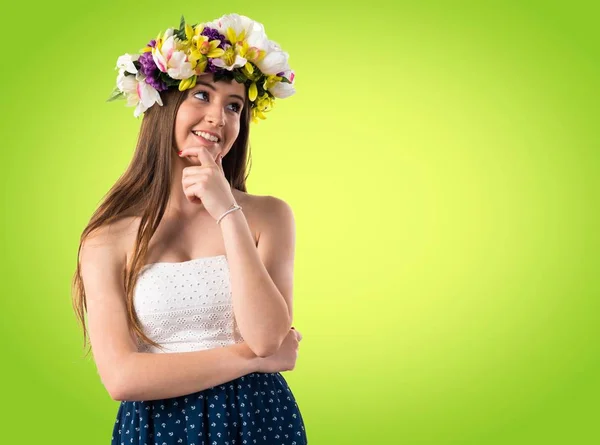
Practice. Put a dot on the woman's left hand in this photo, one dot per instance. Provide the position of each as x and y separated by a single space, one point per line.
205 181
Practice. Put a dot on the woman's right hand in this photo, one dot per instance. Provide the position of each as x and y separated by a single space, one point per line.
285 357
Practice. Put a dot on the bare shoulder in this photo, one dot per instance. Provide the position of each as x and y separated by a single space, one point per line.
110 242
266 211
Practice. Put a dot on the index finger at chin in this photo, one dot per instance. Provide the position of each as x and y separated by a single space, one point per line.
192 156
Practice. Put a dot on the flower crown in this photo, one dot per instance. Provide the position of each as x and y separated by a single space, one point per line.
232 47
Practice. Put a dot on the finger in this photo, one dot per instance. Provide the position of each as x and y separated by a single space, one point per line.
199 156
202 155
190 156
191 194
195 178
190 180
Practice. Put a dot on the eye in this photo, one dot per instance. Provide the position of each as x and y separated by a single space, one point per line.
236 107
201 92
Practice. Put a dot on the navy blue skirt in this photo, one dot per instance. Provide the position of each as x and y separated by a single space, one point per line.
254 409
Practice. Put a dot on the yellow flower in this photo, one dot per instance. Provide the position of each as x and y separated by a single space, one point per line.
248 70
198 60
188 83
201 66
209 48
250 53
262 105
256 114
189 32
198 31
235 38
252 92
265 102
271 81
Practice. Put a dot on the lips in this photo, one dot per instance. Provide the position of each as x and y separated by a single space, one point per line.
204 140
216 135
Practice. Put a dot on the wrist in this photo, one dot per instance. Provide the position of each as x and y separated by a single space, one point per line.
231 219
252 361
232 209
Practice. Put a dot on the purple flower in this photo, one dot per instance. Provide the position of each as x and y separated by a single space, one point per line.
147 64
156 83
149 69
213 34
210 68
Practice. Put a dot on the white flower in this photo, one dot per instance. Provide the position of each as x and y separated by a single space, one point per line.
253 31
139 94
258 38
179 67
289 75
281 90
237 63
148 97
125 62
236 22
229 60
274 62
168 33
274 46
170 60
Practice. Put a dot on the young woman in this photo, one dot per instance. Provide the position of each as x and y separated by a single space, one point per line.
185 277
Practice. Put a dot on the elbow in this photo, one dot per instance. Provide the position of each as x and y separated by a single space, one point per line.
267 341
117 390
266 347
263 351
116 395
118 385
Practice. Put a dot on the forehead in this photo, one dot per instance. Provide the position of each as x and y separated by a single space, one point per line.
224 87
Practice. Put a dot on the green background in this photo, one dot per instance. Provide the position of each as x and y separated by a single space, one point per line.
441 159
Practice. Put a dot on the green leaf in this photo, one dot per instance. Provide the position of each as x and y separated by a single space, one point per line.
116 94
223 75
170 82
239 77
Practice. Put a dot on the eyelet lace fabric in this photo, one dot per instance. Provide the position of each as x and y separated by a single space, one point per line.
186 306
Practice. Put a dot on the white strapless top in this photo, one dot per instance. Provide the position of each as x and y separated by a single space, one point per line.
186 306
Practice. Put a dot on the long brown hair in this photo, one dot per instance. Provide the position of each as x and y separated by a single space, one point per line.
144 190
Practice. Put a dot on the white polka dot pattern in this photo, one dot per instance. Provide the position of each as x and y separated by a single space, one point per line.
186 306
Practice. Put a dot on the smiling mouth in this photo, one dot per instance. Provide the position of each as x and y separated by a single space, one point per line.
206 137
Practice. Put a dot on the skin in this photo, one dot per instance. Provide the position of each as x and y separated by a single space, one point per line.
261 273
214 107
258 242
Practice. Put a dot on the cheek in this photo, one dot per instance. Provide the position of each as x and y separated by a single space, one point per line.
179 136
233 129
233 135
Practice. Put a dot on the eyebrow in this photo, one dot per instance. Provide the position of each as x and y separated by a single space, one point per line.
208 85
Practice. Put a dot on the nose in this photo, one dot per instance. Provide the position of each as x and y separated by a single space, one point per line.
215 115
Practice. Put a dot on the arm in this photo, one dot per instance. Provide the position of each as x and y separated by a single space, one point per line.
262 276
158 376
126 373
